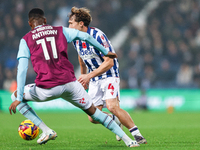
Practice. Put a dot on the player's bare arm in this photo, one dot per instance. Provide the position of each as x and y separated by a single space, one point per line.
105 66
84 79
83 71
82 65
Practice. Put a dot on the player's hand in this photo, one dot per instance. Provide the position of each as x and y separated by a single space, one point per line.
111 55
86 86
13 106
84 80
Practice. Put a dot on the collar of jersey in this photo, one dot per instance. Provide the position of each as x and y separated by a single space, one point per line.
88 30
38 26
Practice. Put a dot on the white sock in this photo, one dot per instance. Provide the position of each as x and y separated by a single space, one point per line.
134 130
43 127
126 139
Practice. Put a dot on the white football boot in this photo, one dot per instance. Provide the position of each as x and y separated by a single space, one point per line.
132 144
45 137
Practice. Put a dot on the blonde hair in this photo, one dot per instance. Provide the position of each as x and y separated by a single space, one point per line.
81 14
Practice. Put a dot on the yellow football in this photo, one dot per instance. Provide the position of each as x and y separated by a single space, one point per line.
28 130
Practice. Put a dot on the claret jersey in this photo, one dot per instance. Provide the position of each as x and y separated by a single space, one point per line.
46 46
48 52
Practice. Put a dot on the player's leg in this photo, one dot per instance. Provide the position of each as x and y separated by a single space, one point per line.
29 113
125 119
111 115
111 95
123 116
96 93
40 95
76 94
109 123
26 110
90 118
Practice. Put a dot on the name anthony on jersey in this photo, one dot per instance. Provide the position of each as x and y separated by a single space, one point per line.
43 33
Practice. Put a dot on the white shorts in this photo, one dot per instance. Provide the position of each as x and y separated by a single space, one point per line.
72 92
104 89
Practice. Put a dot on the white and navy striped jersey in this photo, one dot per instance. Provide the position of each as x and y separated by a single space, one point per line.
94 58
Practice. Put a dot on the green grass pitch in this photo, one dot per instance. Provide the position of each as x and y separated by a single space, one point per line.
163 131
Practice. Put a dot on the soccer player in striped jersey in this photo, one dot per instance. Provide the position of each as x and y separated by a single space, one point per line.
103 72
46 46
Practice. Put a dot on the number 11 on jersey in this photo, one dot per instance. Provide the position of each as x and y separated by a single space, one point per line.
44 47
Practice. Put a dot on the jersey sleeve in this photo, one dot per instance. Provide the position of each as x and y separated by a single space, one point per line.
70 34
88 38
73 34
102 39
21 76
23 57
23 50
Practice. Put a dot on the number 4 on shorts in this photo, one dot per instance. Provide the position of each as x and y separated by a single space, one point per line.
110 86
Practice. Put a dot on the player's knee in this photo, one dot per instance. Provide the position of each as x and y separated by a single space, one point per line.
112 109
14 96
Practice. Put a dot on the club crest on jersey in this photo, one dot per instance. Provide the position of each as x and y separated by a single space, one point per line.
102 37
105 44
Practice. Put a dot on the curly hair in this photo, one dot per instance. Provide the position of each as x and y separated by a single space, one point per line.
81 14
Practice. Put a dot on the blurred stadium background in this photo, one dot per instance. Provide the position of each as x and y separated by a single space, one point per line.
157 42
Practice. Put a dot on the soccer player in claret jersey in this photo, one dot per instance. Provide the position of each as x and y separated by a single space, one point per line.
46 46
103 76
